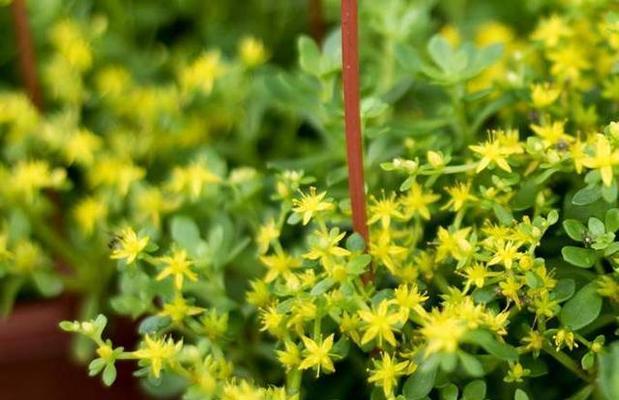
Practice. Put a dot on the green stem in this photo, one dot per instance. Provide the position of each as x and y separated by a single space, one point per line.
58 246
293 384
567 362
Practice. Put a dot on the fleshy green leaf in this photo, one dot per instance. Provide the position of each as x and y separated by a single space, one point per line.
578 256
586 195
608 373
612 220
575 229
475 390
488 342
583 308
420 383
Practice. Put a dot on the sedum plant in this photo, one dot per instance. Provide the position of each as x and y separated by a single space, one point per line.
490 270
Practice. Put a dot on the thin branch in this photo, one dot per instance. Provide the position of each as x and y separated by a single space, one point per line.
316 20
354 145
26 53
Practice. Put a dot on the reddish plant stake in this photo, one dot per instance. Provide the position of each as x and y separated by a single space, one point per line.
316 20
26 54
354 146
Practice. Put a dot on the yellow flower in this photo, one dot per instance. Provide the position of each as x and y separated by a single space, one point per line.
324 247
565 337
386 372
454 244
192 179
178 310
252 52
534 341
27 257
551 30
266 234
379 323
151 203
435 159
510 288
290 357
310 204
409 299
89 212
69 41
604 160
272 321
492 153
112 171
506 253
279 264
385 250
383 210
178 266
552 133
157 353
416 201
81 146
516 372
202 73
28 177
129 246
568 62
316 354
460 194
544 94
442 331
477 274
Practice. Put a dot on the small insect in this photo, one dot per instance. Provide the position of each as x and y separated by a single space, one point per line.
587 240
562 145
115 242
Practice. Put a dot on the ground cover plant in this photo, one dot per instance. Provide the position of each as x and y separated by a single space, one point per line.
484 267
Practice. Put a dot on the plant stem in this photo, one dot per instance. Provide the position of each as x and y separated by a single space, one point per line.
316 20
350 68
567 362
26 53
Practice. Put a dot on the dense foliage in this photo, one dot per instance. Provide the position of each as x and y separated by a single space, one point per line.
492 151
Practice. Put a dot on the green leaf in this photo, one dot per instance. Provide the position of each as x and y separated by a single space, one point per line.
322 286
586 195
109 374
47 283
309 56
407 57
471 364
612 220
587 361
357 265
596 227
488 342
575 229
583 308
441 52
608 373
533 280
520 395
475 390
153 324
504 216
449 392
185 232
578 256
564 290
355 243
96 366
420 383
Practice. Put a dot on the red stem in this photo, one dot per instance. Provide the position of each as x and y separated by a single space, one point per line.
26 54
316 20
354 146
